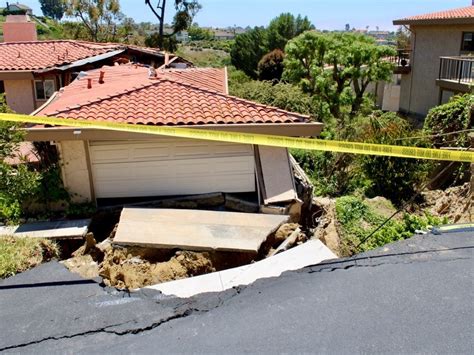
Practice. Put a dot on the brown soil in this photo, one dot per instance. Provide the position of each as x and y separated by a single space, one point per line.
135 267
454 203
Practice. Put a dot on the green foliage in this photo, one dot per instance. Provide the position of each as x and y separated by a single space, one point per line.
270 66
281 95
197 33
20 254
204 57
332 174
394 178
248 49
81 210
100 17
402 38
53 8
169 44
285 27
51 188
337 67
357 220
456 115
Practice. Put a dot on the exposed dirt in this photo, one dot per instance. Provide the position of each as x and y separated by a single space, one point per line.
135 267
455 203
324 216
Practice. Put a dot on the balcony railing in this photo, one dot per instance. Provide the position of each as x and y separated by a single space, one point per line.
401 61
457 69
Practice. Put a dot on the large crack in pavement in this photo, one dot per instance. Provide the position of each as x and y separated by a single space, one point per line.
353 263
110 328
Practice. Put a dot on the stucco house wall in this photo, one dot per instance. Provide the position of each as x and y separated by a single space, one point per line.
75 170
19 94
419 92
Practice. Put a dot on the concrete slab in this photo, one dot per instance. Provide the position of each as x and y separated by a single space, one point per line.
51 229
195 230
309 253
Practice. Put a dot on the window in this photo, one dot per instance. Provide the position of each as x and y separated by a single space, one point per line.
467 42
44 89
2 87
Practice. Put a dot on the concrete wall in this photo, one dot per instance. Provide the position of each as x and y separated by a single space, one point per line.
20 95
391 95
419 92
75 172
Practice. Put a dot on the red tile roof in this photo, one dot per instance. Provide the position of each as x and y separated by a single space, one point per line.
460 15
38 55
174 97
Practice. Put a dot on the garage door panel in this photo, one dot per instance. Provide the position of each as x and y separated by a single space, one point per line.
143 169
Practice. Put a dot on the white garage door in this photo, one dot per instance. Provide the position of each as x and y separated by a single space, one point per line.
170 167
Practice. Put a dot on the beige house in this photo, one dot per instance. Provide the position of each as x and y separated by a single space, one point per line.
31 70
102 164
440 62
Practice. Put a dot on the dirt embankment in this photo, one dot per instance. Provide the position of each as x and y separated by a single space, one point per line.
135 267
454 203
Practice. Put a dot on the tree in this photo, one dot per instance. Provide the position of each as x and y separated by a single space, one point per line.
197 33
348 27
285 27
100 17
17 183
270 66
53 8
337 67
402 37
248 49
185 12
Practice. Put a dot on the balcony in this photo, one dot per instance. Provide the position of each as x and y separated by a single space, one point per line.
456 74
401 61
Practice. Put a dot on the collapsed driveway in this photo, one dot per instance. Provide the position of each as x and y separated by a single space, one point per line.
410 296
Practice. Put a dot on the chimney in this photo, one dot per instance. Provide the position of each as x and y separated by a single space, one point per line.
19 28
89 83
167 58
101 77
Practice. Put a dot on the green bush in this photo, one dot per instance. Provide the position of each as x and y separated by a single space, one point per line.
281 95
393 178
357 220
456 115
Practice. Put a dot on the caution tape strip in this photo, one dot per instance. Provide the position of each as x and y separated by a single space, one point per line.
257 139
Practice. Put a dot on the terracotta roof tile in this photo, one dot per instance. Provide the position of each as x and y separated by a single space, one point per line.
174 97
463 14
39 55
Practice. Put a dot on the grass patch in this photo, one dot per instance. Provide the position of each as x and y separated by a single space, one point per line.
357 219
20 254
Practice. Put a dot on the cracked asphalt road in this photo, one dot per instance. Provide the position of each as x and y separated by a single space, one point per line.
413 296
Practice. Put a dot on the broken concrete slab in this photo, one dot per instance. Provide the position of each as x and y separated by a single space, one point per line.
309 253
69 229
195 230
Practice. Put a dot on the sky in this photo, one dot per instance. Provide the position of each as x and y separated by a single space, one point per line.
325 14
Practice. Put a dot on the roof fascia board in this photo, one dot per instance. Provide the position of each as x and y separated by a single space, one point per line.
16 74
454 21
312 129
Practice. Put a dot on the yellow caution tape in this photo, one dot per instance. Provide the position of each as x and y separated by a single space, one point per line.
257 139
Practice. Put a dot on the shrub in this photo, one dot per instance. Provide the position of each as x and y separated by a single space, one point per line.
456 115
393 178
357 220
281 95
270 67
